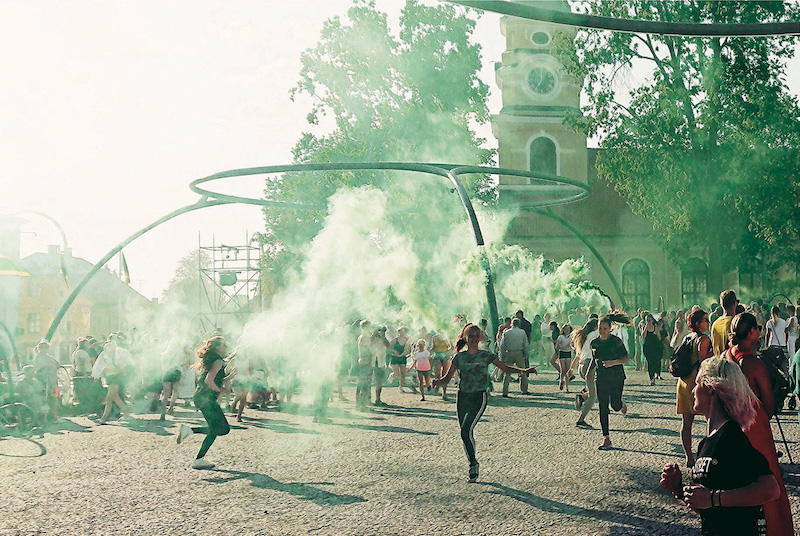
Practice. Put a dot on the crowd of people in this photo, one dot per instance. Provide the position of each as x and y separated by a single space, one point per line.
735 476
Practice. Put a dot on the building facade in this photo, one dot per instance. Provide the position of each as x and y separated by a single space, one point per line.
537 96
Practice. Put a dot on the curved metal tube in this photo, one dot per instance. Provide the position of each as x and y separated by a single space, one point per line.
63 238
449 171
550 214
583 20
202 203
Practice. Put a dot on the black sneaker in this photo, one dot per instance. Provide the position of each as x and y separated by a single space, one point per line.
585 425
473 473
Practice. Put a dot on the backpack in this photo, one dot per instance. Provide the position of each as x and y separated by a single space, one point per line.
778 368
680 364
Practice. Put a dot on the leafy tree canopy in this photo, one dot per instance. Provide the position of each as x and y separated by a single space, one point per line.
707 145
406 95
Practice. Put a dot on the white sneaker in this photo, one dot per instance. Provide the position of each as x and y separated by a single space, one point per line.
401 389
183 432
202 463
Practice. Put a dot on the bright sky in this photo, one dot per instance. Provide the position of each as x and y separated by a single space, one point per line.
109 109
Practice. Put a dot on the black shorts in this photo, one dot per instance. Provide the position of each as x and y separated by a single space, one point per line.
172 376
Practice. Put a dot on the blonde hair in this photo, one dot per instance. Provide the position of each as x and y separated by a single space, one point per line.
726 378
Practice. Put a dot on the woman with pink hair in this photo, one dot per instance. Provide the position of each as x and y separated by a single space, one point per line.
730 478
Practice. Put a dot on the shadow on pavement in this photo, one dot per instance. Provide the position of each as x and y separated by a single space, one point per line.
302 490
148 425
275 425
64 425
41 448
627 521
384 428
401 411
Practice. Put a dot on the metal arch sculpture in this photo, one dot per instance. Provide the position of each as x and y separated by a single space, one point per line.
614 24
575 191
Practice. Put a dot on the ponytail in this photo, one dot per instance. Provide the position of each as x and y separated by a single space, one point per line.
580 334
617 316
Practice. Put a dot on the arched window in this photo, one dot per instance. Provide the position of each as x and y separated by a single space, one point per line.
694 282
636 284
544 157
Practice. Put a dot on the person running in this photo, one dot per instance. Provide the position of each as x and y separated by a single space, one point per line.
581 340
210 363
564 349
422 364
610 355
473 367
441 348
400 349
111 366
701 350
745 343
731 479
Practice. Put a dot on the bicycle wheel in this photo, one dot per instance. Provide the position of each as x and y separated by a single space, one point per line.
65 386
16 419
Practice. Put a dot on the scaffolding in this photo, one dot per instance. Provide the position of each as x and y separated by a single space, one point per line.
230 277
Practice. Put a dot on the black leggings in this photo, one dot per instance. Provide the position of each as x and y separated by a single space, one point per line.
653 363
470 408
609 390
217 426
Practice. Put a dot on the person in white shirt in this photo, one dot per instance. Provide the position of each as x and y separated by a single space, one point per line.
776 329
513 350
582 342
564 350
791 331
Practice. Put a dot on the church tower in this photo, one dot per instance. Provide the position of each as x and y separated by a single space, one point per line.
537 95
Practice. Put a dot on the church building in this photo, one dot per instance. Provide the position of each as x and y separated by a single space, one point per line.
537 95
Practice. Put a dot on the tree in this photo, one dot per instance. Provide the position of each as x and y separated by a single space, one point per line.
707 148
185 289
413 95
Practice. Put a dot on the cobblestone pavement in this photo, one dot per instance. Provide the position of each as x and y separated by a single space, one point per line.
396 470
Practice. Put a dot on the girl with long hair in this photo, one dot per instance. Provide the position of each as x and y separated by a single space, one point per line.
701 350
745 343
564 349
472 363
210 364
610 355
581 340
730 479
652 347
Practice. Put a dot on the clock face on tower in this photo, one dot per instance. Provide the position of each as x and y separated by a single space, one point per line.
541 80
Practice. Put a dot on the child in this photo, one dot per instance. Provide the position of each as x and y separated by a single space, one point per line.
422 364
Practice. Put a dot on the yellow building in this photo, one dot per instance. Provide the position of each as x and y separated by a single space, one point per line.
106 303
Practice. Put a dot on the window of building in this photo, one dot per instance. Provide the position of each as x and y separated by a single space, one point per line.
34 289
694 282
540 38
544 157
34 323
636 284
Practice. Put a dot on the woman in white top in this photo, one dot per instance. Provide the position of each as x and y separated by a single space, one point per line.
791 331
776 329
582 342
564 350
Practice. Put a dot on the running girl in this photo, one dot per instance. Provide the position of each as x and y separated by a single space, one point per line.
422 364
609 355
473 367
210 362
